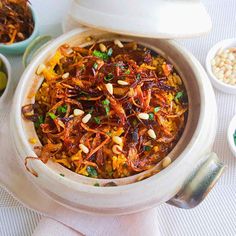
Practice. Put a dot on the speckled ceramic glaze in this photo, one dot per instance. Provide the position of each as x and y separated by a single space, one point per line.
184 183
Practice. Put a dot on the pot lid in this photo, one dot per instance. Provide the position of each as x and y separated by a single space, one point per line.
152 18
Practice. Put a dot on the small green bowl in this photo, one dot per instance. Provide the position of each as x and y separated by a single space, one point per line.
19 47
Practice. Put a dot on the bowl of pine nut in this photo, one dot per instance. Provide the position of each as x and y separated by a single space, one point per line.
221 65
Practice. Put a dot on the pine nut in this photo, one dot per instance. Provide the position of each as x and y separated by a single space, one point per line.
152 134
143 116
117 149
213 62
78 112
66 75
69 51
40 69
166 162
224 65
102 47
228 73
118 43
84 148
117 140
231 57
122 82
109 88
86 118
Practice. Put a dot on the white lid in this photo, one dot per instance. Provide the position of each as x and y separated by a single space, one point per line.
144 18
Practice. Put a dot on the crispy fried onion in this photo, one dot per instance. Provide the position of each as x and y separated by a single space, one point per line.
110 113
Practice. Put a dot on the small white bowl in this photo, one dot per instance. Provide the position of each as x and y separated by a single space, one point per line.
230 135
227 88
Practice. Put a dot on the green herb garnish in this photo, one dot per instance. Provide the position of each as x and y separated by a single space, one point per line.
38 122
109 52
96 185
151 116
52 115
62 175
107 109
179 95
234 137
62 109
105 102
156 109
147 148
97 120
101 55
138 76
109 77
127 72
95 65
108 133
92 171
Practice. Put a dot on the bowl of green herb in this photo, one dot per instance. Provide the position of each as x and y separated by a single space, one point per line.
231 135
5 74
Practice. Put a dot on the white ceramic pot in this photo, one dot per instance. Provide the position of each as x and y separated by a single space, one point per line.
184 183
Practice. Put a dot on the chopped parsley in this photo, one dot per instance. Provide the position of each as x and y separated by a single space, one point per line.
234 137
96 185
109 52
147 148
156 109
38 122
62 175
52 115
101 55
179 95
62 109
92 171
107 109
138 76
151 116
127 72
97 120
109 77
95 65
105 102
106 106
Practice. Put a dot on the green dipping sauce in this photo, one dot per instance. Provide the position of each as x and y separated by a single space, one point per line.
3 78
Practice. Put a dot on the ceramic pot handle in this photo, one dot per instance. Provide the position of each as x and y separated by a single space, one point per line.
34 47
199 184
